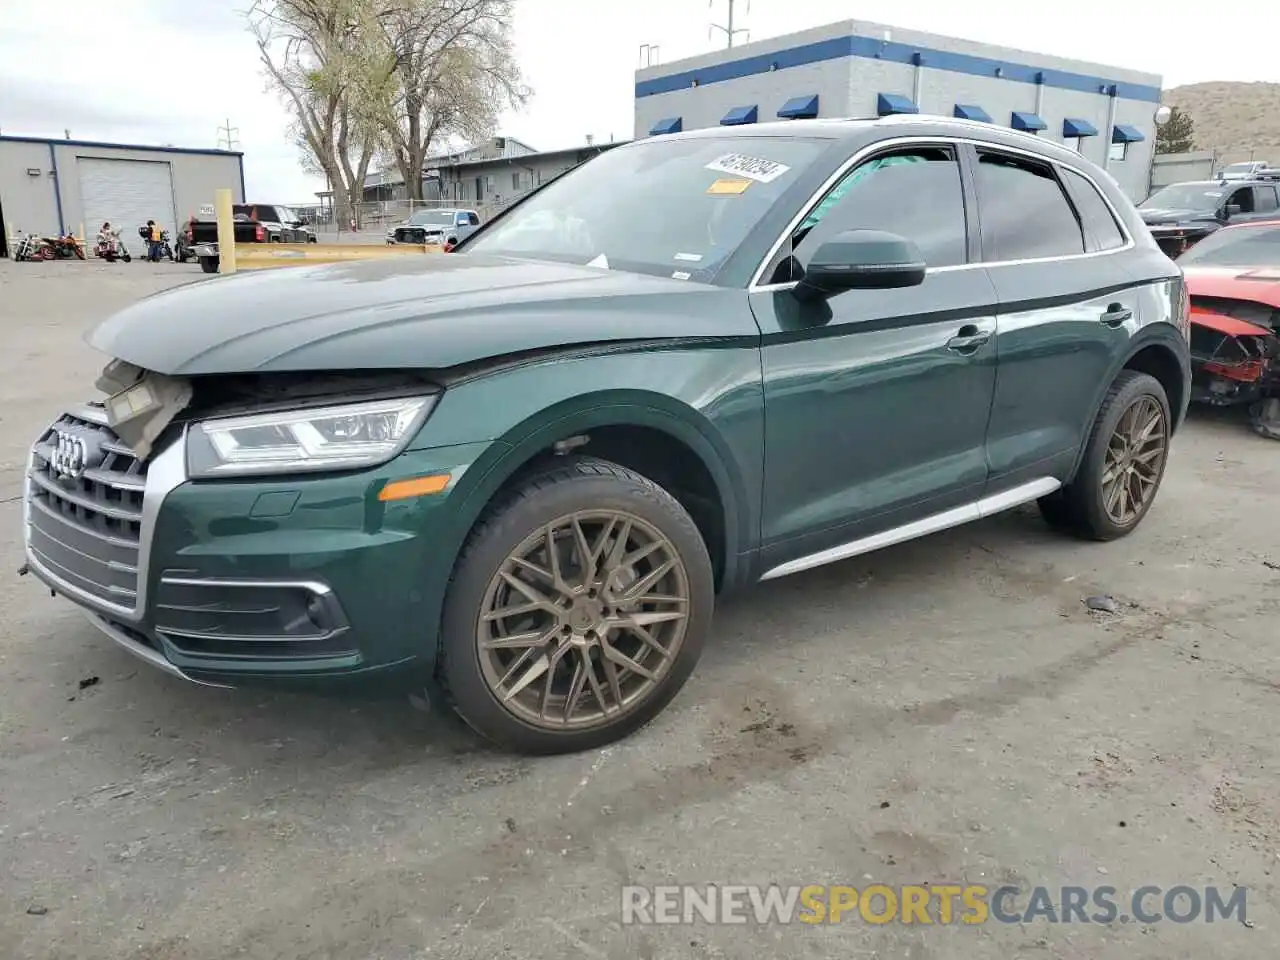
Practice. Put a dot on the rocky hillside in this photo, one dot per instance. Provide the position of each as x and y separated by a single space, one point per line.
1235 119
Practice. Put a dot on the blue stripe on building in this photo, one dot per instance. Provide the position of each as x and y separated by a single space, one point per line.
869 48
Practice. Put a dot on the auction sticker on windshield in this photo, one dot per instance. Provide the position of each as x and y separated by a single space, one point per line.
754 168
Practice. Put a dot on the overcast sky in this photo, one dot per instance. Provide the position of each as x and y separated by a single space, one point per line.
145 71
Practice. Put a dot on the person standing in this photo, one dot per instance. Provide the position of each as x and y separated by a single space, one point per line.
154 243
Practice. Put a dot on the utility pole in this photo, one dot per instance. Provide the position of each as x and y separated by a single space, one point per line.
728 29
231 140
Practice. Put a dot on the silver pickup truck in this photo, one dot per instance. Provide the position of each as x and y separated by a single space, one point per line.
435 226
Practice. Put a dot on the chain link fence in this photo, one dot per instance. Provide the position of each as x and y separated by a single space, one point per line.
374 218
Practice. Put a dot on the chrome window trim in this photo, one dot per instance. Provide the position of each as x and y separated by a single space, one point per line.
756 286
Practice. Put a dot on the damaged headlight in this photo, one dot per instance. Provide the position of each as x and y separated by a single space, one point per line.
321 438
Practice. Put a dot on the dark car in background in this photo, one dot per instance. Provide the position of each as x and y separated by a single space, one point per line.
252 223
519 475
1182 214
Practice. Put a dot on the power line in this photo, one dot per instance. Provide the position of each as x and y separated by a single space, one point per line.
231 140
728 29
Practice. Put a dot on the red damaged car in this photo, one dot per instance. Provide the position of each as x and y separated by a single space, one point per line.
1233 277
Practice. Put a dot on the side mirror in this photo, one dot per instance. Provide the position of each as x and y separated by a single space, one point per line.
861 260
1233 209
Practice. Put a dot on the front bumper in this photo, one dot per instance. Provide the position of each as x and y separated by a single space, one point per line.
227 582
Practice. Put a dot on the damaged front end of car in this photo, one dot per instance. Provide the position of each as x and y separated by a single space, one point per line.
1232 361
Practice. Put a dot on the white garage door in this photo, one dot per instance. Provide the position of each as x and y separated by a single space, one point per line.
127 193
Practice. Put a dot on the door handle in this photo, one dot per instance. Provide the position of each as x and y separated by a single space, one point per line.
968 340
1117 313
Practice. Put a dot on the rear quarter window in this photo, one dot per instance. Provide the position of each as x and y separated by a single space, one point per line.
1101 229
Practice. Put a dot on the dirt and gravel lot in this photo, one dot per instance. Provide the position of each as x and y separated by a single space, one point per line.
944 712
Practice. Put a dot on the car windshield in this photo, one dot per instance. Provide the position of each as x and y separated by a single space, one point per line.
1185 196
671 207
1237 247
425 217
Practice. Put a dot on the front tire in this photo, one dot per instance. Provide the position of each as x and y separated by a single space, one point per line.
577 610
1123 466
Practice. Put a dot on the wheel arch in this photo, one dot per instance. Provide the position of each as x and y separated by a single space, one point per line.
1154 352
668 441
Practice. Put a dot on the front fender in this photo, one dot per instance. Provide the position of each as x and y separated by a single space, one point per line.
710 400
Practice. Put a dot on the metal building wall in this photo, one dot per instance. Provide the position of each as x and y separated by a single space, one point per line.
50 200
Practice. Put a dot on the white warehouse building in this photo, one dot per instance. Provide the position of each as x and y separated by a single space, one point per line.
857 69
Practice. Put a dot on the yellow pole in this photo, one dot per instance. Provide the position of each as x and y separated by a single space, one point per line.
226 232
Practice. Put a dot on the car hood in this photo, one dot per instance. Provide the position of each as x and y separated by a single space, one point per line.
408 312
1172 215
1259 284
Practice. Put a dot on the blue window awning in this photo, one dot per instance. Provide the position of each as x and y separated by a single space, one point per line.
1071 127
888 104
1123 133
739 116
800 107
1027 122
669 125
969 111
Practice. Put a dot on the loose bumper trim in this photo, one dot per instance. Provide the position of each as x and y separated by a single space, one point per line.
142 651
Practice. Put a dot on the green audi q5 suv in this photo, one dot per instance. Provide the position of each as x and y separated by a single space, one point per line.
519 475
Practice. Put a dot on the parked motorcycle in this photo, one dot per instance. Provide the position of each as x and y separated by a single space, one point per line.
66 247
182 249
32 248
111 248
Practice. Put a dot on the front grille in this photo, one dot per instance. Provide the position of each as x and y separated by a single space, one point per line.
412 235
86 531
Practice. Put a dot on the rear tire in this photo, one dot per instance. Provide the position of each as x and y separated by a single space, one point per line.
1123 465
209 264
546 678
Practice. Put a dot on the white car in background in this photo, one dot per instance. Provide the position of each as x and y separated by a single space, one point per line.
439 226
1245 170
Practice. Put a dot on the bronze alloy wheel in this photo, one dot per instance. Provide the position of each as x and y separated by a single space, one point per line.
1134 460
583 620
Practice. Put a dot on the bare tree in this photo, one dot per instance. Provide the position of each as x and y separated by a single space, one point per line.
453 71
316 54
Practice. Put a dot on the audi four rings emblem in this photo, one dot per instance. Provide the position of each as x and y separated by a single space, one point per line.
70 454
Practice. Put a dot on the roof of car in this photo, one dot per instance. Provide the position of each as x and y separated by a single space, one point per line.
906 124
1242 182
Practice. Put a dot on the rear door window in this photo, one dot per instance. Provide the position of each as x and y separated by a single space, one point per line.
1024 213
1264 199
1103 233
